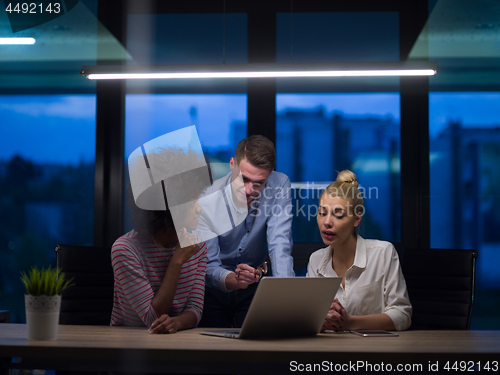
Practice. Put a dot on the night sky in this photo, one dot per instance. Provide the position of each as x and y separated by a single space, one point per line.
61 128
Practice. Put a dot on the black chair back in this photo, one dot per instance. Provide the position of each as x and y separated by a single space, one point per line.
90 300
441 285
4 316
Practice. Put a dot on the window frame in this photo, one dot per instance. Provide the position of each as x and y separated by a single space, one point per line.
261 94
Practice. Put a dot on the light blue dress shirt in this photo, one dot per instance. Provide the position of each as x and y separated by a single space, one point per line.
266 229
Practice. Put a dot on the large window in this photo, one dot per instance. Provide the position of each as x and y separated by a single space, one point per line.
47 143
319 135
218 108
187 38
464 157
337 36
326 125
47 158
220 120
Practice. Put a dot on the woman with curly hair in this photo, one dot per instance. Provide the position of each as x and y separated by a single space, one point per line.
158 283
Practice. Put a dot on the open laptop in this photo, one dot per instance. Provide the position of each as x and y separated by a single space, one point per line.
286 307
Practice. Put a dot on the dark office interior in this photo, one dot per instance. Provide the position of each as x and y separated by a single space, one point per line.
427 147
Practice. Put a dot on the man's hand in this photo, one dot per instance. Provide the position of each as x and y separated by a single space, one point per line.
164 324
242 277
246 275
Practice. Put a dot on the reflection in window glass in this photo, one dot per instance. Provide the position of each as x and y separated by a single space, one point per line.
220 120
464 132
337 36
319 135
47 158
187 38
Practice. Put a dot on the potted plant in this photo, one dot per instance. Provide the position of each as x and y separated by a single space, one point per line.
43 301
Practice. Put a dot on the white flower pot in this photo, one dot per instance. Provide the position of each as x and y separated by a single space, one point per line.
42 316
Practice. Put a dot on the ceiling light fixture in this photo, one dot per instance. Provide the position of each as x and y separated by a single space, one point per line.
273 70
17 41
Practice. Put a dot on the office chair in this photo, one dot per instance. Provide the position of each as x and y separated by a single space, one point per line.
90 300
4 316
301 253
441 285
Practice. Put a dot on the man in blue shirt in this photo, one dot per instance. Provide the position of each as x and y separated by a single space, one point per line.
258 201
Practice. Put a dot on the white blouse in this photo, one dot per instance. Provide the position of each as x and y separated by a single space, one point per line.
374 284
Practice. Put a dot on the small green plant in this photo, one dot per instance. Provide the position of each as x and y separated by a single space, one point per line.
50 281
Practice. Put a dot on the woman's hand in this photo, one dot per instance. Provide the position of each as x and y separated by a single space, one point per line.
182 254
164 324
335 317
338 319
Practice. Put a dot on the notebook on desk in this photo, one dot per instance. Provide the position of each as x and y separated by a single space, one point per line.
286 307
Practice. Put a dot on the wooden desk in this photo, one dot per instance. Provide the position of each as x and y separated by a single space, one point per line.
134 349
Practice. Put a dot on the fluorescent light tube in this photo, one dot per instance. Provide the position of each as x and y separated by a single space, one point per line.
377 69
17 41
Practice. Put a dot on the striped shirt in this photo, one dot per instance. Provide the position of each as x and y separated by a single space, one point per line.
139 267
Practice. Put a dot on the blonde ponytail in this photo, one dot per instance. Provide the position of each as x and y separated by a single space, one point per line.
346 186
346 178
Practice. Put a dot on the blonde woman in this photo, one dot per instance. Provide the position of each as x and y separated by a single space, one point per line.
373 291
